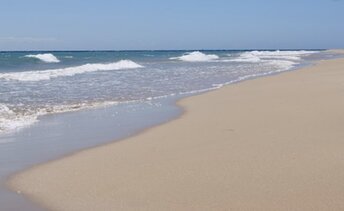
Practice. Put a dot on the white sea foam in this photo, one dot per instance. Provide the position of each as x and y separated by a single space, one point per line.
246 57
11 120
283 60
69 71
46 57
75 107
282 64
261 56
196 56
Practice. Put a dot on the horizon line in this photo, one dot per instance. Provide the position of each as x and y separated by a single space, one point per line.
136 50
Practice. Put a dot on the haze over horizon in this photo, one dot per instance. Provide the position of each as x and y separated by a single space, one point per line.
176 25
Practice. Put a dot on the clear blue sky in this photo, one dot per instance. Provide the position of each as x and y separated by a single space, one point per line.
173 24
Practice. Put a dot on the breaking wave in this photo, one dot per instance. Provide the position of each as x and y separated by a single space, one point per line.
283 60
46 57
14 119
9 120
259 56
196 56
69 71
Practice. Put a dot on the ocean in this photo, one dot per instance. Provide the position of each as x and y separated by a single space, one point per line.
33 84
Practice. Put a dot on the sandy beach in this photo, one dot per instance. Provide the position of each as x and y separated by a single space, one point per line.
273 143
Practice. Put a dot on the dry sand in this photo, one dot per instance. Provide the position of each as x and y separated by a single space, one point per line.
274 143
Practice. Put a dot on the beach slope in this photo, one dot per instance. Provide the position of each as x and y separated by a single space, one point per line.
274 143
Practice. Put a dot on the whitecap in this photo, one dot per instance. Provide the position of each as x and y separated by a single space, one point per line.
69 71
46 57
259 56
196 56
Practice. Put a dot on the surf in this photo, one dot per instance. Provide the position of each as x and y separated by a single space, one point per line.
69 71
196 56
46 57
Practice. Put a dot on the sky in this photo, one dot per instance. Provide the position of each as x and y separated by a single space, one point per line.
170 24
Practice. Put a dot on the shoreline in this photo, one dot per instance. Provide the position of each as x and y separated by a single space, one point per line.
186 110
42 146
